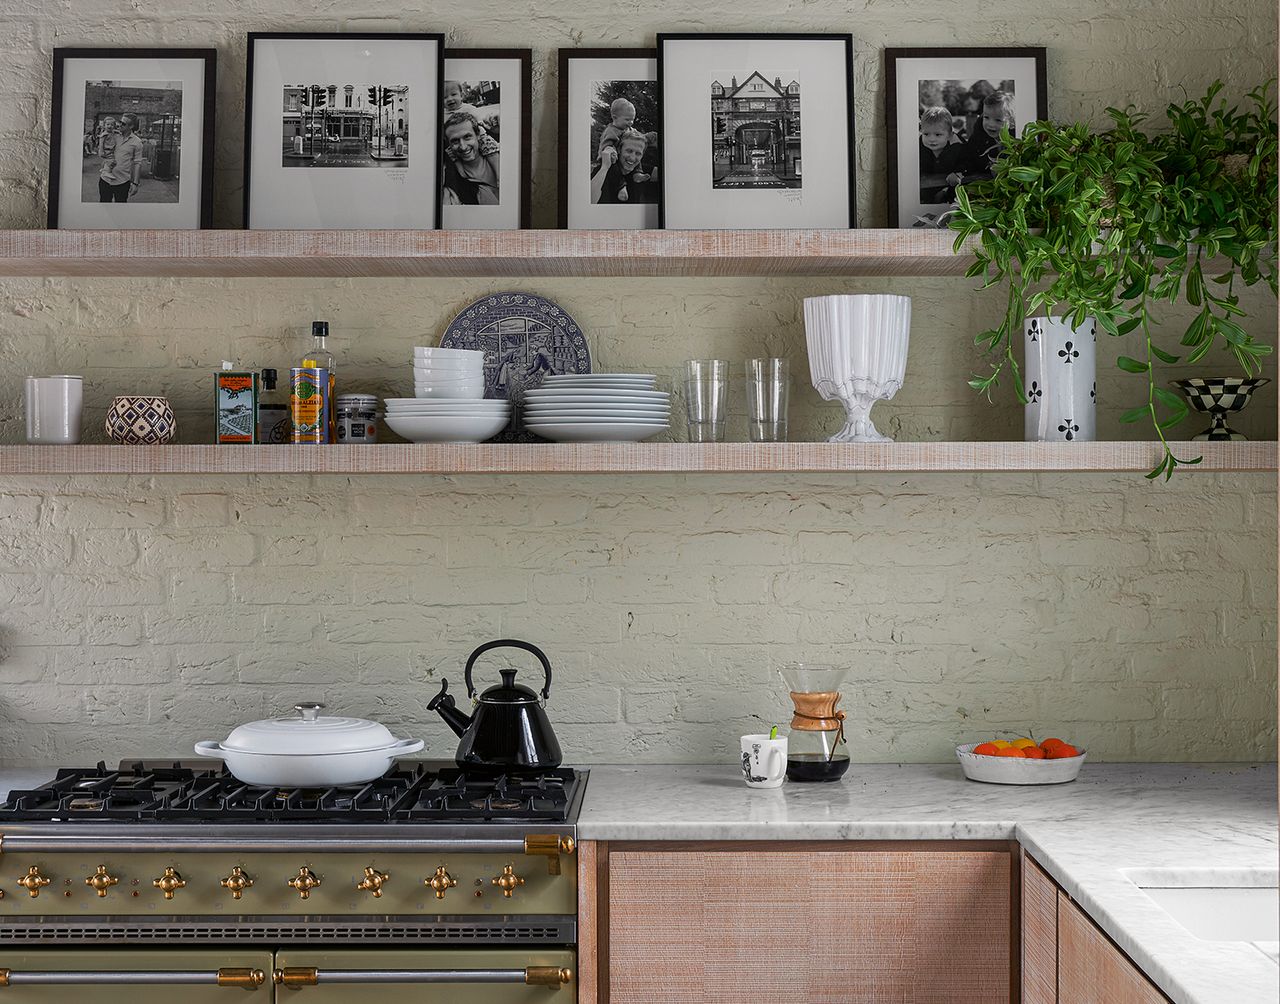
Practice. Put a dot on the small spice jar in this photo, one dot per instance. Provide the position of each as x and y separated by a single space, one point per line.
356 418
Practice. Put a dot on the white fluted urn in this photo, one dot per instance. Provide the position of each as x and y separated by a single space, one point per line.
857 355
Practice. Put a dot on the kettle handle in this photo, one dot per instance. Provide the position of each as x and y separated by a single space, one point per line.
509 643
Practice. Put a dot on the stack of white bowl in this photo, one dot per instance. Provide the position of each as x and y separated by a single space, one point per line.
448 373
448 405
597 408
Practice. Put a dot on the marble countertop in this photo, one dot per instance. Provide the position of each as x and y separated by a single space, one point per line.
1116 818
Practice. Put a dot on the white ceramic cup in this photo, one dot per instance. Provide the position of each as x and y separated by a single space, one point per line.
764 761
53 408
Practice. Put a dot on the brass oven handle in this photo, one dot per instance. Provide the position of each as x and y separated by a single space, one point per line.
552 845
533 976
247 979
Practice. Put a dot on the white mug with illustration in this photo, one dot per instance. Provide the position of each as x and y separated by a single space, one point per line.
764 761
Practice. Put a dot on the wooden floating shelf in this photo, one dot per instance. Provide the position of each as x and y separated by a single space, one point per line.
453 253
627 458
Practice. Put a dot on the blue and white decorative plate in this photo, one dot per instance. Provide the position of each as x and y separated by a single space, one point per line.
524 338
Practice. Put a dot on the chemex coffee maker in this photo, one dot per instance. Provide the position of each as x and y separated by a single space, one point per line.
816 749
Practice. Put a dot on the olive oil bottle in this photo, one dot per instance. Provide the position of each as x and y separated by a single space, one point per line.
321 358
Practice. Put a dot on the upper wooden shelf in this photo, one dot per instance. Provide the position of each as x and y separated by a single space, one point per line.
632 458
373 253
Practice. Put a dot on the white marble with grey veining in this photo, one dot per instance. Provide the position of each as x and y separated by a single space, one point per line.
1116 818
1087 834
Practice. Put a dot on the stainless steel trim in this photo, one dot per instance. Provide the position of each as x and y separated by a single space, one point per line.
420 976
158 841
117 977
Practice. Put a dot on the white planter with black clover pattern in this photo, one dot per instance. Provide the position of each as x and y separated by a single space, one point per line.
1060 379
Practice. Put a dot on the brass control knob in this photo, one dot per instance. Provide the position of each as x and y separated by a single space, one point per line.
100 881
373 881
169 882
508 880
441 881
238 881
33 881
304 882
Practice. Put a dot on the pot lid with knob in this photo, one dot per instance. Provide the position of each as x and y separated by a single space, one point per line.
309 733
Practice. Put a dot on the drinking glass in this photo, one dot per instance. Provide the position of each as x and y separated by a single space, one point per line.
706 391
768 389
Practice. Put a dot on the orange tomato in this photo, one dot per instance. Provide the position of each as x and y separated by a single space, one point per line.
1061 752
1034 753
1011 751
1048 744
986 749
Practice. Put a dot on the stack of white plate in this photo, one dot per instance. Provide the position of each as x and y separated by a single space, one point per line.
597 408
447 421
451 374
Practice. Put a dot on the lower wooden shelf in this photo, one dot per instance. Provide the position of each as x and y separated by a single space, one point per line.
628 458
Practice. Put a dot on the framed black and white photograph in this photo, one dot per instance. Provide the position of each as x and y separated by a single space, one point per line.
946 109
131 146
609 139
343 131
485 126
757 131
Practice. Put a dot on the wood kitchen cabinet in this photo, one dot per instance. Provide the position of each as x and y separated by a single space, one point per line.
1065 956
847 922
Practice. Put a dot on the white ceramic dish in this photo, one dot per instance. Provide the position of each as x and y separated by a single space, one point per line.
598 397
602 415
417 402
448 372
310 750
440 352
596 432
447 428
464 391
569 377
434 405
595 420
1017 770
575 380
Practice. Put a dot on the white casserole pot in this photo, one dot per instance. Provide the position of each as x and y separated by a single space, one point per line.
310 751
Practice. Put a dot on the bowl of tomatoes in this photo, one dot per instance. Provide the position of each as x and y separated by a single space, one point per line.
1021 761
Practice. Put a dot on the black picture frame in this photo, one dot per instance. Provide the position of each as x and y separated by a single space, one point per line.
254 36
565 58
525 58
892 56
851 143
207 111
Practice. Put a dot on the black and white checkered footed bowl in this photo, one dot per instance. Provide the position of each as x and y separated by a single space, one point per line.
140 421
1217 396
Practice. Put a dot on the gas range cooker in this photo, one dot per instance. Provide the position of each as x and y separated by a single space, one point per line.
146 791
426 859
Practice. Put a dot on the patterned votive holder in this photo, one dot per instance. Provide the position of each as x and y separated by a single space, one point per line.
140 421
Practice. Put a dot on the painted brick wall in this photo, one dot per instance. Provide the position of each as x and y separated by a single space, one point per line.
137 615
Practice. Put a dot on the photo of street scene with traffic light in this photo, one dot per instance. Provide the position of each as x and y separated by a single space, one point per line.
345 125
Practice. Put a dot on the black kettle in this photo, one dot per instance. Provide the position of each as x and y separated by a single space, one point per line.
509 731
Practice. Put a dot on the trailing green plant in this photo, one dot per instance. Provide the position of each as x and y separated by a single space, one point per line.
1108 224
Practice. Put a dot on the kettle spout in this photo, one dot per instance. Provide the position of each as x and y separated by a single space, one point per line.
443 705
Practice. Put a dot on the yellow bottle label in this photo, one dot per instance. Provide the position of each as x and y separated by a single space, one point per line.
309 404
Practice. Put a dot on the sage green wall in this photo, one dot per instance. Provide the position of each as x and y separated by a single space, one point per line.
137 614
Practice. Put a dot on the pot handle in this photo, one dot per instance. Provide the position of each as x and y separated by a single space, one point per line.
209 748
403 746
509 643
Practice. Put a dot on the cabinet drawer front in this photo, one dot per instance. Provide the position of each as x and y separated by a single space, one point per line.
854 927
100 964
1039 935
1091 970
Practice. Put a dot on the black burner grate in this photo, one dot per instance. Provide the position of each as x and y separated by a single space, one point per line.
141 791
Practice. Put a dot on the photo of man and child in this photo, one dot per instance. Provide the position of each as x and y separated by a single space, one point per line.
624 142
471 129
960 128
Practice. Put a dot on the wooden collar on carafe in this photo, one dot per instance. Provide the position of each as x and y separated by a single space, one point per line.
815 711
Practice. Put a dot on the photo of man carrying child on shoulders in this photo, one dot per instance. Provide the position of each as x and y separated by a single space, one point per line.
471 129
624 141
960 129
